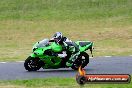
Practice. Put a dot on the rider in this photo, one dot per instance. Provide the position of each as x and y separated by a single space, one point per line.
60 39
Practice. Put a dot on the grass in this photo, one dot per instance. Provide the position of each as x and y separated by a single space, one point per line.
108 23
63 9
17 37
52 83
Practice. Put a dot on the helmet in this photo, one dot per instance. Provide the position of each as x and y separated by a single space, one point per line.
57 36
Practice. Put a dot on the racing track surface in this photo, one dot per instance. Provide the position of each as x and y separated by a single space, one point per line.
102 65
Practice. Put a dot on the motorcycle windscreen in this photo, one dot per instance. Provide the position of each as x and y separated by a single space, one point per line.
41 43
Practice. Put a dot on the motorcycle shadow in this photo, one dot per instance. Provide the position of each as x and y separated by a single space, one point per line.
68 70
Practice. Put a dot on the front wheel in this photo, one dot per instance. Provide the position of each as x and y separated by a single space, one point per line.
32 64
82 60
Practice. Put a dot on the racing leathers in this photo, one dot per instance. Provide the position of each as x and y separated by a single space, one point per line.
64 43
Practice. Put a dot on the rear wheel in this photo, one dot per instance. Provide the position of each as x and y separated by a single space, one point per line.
32 64
82 60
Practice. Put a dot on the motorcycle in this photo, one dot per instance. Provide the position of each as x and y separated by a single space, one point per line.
44 55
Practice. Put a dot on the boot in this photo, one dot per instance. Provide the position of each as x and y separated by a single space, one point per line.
72 59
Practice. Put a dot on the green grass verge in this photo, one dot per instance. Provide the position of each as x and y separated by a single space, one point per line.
108 23
64 9
56 83
18 37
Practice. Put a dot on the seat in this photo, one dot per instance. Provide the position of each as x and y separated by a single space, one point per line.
84 43
73 44
69 43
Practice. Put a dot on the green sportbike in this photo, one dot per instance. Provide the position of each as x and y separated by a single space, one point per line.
44 55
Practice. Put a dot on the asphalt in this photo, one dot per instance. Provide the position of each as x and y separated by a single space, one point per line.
99 65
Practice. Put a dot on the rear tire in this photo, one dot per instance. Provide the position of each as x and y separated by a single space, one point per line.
80 61
32 64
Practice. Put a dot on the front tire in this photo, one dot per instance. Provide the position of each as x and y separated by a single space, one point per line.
32 64
82 60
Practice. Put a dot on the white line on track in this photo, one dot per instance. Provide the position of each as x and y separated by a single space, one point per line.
20 61
23 61
90 57
107 56
3 62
